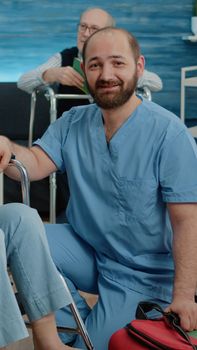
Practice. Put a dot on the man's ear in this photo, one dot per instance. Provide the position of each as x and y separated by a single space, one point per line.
140 65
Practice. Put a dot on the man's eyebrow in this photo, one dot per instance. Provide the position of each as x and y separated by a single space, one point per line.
117 56
112 56
92 59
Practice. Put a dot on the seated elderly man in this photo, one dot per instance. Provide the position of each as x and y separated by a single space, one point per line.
24 248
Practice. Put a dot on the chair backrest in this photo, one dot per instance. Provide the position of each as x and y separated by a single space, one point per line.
188 79
144 92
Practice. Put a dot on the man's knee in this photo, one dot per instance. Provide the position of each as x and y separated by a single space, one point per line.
17 211
18 217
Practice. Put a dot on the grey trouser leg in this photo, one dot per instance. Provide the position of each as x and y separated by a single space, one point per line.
25 247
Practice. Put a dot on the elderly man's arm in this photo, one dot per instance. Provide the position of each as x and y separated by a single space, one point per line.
151 80
34 79
184 222
50 72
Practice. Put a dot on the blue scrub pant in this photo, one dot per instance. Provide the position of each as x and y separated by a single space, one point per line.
116 306
24 248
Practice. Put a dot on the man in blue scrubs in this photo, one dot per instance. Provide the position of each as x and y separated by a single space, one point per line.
132 170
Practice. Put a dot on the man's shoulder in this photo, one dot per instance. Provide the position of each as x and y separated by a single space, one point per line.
84 109
158 111
81 112
161 117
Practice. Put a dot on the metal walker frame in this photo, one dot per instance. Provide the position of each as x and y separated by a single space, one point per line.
80 329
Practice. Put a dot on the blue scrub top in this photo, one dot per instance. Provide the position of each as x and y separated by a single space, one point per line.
119 191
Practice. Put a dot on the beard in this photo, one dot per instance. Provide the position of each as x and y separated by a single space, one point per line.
114 99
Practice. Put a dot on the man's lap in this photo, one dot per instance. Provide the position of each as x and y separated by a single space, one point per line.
74 258
116 307
76 261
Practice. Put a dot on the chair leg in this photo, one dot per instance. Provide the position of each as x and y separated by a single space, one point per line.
81 329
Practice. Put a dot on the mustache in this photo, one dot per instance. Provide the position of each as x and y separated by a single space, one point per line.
107 83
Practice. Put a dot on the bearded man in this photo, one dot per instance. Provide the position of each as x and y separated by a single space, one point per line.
131 165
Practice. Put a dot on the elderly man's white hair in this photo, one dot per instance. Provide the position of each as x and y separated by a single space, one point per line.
111 20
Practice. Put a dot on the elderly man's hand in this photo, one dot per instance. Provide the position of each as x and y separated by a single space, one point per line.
63 75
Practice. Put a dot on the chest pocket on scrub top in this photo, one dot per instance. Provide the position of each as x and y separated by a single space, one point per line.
137 197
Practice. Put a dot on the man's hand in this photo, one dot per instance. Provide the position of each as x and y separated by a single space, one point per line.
5 152
63 75
187 311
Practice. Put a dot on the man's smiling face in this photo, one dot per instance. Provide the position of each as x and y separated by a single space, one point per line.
110 68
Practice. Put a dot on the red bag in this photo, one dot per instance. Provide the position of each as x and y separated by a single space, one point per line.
144 333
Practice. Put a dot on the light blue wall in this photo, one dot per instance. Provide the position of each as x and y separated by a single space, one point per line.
32 30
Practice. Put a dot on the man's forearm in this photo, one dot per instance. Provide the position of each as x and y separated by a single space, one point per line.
35 160
185 259
30 81
185 253
22 154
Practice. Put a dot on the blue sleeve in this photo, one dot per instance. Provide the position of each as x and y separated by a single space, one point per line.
54 139
178 169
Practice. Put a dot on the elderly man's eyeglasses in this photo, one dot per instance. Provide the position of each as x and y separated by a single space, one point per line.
82 27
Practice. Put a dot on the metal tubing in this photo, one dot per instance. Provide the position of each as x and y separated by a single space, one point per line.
32 117
147 93
79 322
72 97
50 95
52 204
24 180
